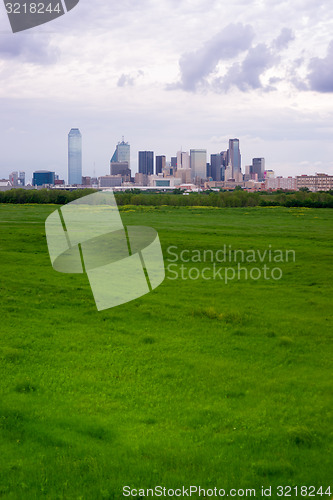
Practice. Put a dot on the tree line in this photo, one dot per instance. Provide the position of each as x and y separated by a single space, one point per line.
236 198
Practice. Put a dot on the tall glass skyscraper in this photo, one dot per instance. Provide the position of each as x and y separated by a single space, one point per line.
74 156
234 157
198 162
122 153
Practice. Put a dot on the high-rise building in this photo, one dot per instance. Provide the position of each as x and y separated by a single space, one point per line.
17 178
198 162
21 178
183 160
224 155
160 164
146 162
234 158
228 173
13 177
174 162
258 167
122 153
217 163
74 157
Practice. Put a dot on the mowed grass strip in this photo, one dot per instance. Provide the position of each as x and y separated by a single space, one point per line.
199 382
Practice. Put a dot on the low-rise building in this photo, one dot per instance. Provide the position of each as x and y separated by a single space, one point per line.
285 183
318 182
109 181
43 178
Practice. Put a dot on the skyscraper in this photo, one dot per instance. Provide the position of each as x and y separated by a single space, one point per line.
183 160
198 162
224 156
234 158
258 167
146 162
160 164
74 157
216 163
122 153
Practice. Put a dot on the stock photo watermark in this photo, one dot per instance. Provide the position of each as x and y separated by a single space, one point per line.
227 264
122 262
26 14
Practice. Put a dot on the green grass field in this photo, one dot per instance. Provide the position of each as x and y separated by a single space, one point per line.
197 383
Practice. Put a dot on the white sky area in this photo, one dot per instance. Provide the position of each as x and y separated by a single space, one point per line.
170 74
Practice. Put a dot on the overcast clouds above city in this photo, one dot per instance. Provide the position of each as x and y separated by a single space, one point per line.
168 74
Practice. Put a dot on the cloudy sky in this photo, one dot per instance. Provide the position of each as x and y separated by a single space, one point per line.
170 74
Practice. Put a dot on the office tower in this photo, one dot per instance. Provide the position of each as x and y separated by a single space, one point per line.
146 162
160 164
183 160
258 167
17 178
41 177
228 173
198 161
74 157
21 179
122 153
13 177
216 162
174 162
224 156
234 158
208 171
248 173
183 171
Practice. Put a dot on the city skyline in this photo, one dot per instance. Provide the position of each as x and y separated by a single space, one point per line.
193 166
194 80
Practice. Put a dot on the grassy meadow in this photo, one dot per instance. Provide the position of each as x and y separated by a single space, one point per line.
197 383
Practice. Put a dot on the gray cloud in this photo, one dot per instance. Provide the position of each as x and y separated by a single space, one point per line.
282 41
27 48
321 72
125 80
230 42
226 44
246 75
128 79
